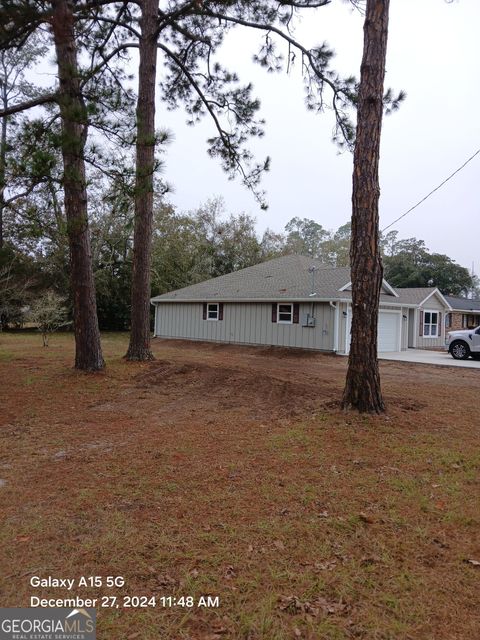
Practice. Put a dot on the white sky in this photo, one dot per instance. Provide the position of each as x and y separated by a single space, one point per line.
433 55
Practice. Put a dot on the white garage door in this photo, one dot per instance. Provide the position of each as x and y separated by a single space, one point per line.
388 331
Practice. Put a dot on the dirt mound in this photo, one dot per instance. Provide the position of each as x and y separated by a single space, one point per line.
258 392
163 370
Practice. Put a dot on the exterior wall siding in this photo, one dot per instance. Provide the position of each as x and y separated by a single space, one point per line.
342 327
246 323
423 342
251 323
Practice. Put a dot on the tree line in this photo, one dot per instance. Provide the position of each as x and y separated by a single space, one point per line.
187 247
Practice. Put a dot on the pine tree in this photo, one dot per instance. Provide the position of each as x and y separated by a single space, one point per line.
19 20
362 388
88 352
139 347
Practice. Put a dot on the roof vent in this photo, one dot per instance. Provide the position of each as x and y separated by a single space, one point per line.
312 270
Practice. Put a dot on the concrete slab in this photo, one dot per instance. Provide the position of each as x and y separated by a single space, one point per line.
424 356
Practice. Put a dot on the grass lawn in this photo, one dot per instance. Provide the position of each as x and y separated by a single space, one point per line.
230 471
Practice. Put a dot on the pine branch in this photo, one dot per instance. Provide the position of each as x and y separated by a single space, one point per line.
29 104
339 93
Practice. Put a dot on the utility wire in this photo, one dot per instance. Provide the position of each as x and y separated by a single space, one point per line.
432 192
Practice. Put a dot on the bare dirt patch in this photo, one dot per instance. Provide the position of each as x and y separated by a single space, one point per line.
230 471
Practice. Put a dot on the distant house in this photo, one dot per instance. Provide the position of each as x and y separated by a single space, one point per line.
296 301
464 314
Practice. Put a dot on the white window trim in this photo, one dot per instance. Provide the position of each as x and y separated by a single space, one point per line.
213 304
284 304
425 311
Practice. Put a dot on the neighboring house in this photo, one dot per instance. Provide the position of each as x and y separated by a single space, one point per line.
464 314
295 301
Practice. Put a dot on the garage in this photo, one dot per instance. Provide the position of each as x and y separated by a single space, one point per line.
389 323
389 331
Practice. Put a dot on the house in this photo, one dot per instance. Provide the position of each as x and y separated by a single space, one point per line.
296 301
464 314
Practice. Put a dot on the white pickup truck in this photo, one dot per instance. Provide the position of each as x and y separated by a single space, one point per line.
463 344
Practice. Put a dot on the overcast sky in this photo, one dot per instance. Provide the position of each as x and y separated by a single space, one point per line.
433 55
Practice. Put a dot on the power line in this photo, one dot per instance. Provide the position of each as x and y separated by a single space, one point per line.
432 192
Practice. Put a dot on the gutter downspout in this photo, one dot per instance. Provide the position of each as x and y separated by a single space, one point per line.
335 325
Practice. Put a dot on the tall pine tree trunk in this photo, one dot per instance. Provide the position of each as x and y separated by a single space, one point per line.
3 159
139 347
88 352
362 388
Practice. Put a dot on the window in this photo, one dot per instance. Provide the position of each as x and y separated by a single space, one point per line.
212 311
285 313
448 320
470 321
430 324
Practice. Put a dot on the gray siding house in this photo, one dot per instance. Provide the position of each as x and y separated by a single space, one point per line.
296 301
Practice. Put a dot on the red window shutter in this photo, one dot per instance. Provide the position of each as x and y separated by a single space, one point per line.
274 312
204 310
421 324
439 330
220 311
296 312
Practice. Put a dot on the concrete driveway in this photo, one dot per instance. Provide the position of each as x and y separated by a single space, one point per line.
423 356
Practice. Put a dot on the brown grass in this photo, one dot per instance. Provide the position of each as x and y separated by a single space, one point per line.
229 471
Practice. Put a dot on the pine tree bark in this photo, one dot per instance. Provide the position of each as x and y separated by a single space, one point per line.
139 347
3 159
362 389
88 351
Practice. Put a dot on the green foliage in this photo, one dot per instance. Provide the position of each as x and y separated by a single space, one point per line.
305 237
335 249
111 215
229 243
272 244
113 297
202 244
411 265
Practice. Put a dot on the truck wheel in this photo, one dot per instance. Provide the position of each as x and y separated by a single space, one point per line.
460 350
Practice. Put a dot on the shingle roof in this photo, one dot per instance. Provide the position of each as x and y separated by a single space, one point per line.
286 277
413 295
463 304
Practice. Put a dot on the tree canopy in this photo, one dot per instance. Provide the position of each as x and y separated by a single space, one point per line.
412 265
